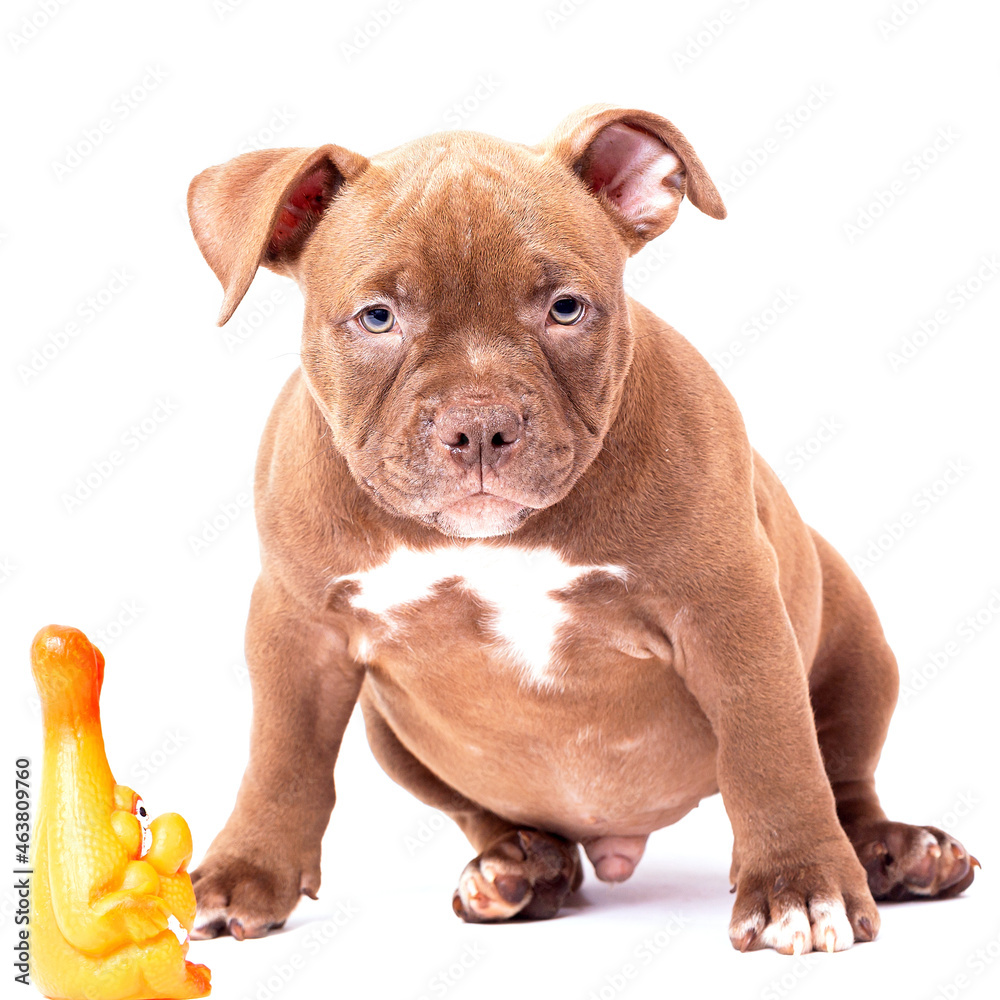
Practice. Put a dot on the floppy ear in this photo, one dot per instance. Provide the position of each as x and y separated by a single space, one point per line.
260 208
637 164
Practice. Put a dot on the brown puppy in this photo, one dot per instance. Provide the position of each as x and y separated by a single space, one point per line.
517 517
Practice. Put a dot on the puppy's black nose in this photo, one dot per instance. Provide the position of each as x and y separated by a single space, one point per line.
477 433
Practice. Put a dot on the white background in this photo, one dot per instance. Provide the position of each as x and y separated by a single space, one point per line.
232 75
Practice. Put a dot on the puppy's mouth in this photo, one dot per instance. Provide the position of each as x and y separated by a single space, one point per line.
480 515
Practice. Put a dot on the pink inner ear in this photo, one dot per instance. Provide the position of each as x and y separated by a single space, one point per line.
301 210
638 173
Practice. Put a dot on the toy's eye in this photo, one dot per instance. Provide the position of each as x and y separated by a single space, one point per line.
378 319
566 311
143 817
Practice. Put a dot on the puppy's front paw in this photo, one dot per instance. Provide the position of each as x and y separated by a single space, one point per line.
524 874
913 862
795 906
243 898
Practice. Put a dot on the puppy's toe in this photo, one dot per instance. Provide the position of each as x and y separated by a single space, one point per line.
913 862
524 874
831 927
483 895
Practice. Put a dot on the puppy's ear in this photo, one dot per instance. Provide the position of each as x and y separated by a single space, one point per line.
637 164
260 208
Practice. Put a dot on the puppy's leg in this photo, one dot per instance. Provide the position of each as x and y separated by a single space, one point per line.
799 884
519 872
854 682
267 856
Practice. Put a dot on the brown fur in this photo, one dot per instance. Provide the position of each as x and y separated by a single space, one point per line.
741 654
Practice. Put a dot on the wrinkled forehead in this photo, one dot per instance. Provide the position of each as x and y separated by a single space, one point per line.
458 213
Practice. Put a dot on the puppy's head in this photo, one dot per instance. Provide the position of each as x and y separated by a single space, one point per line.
466 330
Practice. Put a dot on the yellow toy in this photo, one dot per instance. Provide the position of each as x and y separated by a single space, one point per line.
106 881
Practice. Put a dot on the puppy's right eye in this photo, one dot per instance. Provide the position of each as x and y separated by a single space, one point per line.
377 319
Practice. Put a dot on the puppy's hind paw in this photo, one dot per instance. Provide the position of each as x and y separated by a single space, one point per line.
526 874
913 862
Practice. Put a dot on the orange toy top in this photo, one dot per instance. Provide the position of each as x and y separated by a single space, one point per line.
106 881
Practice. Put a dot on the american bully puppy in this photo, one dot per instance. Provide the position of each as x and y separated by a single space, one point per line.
516 516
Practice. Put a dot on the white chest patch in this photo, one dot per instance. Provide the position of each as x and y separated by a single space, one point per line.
517 583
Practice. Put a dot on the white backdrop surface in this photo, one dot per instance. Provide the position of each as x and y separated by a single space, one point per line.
849 301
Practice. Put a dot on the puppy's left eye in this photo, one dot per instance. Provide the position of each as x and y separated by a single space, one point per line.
566 311
378 319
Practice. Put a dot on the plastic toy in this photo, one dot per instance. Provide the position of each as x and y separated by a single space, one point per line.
106 881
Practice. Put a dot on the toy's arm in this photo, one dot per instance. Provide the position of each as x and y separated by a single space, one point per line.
123 916
104 922
110 921
130 909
